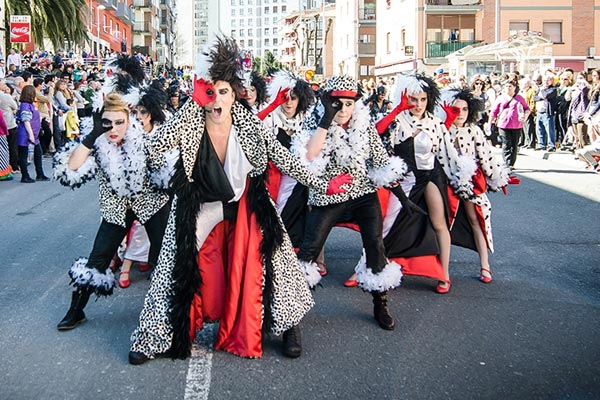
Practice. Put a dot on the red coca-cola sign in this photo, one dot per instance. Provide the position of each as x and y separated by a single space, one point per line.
20 29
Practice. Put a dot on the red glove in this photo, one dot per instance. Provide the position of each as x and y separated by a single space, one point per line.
282 97
384 122
204 92
504 190
335 184
451 114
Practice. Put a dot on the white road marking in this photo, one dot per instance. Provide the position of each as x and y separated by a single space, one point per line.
197 385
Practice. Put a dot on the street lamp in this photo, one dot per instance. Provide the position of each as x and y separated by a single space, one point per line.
100 7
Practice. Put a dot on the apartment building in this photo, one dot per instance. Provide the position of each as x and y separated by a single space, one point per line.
110 24
419 34
154 30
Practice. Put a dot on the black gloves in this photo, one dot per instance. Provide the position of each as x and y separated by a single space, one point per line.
332 106
99 129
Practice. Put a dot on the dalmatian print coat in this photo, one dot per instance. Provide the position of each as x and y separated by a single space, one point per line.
290 295
357 150
470 142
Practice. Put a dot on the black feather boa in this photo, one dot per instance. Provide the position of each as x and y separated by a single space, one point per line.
186 274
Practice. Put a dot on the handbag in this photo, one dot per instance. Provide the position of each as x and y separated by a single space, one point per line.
61 122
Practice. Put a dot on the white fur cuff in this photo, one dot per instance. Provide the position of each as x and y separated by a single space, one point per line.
498 182
82 276
68 177
311 273
390 277
394 171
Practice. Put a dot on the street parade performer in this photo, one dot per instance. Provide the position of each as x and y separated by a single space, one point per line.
114 153
339 137
226 255
471 225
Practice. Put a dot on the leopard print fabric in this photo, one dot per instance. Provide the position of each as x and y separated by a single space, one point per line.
291 296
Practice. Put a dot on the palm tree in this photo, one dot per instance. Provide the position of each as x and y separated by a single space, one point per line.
58 20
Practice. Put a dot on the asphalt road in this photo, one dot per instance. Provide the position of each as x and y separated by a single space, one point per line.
533 333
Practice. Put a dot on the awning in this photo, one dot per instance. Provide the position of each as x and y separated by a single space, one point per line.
517 47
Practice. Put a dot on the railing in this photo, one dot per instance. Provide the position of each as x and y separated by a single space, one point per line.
366 48
141 26
142 3
442 49
452 2
125 12
366 14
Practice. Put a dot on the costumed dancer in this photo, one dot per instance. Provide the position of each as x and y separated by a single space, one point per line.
339 137
114 153
255 92
292 98
226 255
471 225
421 241
150 112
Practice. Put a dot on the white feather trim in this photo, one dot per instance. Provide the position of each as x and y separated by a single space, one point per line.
68 177
162 177
203 61
281 80
394 171
125 164
82 276
86 125
97 101
311 273
390 277
462 181
132 97
406 83
499 181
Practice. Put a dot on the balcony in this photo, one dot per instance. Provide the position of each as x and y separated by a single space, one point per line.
142 4
367 14
453 6
125 13
442 49
366 49
113 4
164 23
164 4
142 27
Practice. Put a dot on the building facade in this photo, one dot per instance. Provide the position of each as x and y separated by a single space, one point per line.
154 30
110 25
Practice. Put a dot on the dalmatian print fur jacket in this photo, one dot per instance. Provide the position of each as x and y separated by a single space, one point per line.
122 174
357 150
459 169
290 297
471 142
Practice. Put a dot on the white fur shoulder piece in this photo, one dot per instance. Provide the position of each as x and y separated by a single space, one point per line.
68 177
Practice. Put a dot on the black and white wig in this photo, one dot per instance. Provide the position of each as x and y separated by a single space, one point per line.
449 96
260 86
220 61
126 64
299 87
154 100
414 84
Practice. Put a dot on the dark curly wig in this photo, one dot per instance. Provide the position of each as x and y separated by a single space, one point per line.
261 87
305 94
153 100
475 105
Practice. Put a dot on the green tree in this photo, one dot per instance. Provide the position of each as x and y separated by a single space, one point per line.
266 65
58 20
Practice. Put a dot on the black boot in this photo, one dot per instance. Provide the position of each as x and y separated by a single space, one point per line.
137 358
292 345
75 315
381 312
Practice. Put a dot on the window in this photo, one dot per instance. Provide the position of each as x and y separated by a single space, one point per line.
274 31
266 31
117 28
267 42
242 22
249 2
104 23
250 11
233 22
241 2
275 20
250 22
233 12
233 2
275 41
387 43
553 31
241 11
250 42
233 32
274 9
250 32
266 10
241 33
242 44
283 9
124 37
515 26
